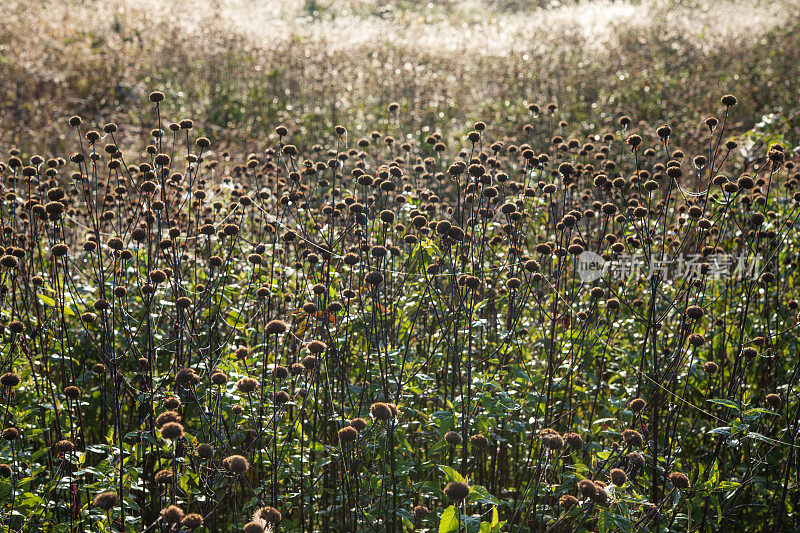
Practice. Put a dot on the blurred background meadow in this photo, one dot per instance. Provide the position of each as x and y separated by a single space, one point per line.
239 67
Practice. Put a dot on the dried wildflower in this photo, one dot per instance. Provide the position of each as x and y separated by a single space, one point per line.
316 347
618 477
374 278
247 385
636 461
452 438
10 380
105 500
420 512
172 431
774 401
551 439
679 480
253 527
187 377
632 438
64 446
192 521
236 464
380 411
205 451
172 514
348 434
479 441
166 417
637 405
275 327
309 362
600 495
269 515
162 477
586 488
172 403
457 491
567 501
574 441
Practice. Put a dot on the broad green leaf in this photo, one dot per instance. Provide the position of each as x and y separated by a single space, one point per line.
452 474
449 520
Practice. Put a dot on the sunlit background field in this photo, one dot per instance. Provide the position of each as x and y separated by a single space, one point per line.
240 67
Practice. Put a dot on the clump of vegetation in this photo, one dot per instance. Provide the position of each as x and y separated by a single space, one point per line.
380 333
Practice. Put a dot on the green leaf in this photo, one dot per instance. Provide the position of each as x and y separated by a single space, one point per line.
727 485
452 474
726 403
46 300
759 411
725 430
479 494
762 438
449 521
496 525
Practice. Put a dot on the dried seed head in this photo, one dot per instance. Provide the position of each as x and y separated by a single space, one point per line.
636 461
172 431
479 441
187 377
309 362
172 514
10 380
316 347
574 441
774 401
632 438
247 385
281 397
679 480
192 521
253 527
270 515
275 327
551 439
236 464
637 405
567 501
105 500
452 438
380 411
586 488
167 416
205 451
374 278
618 477
64 446
348 434
457 491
